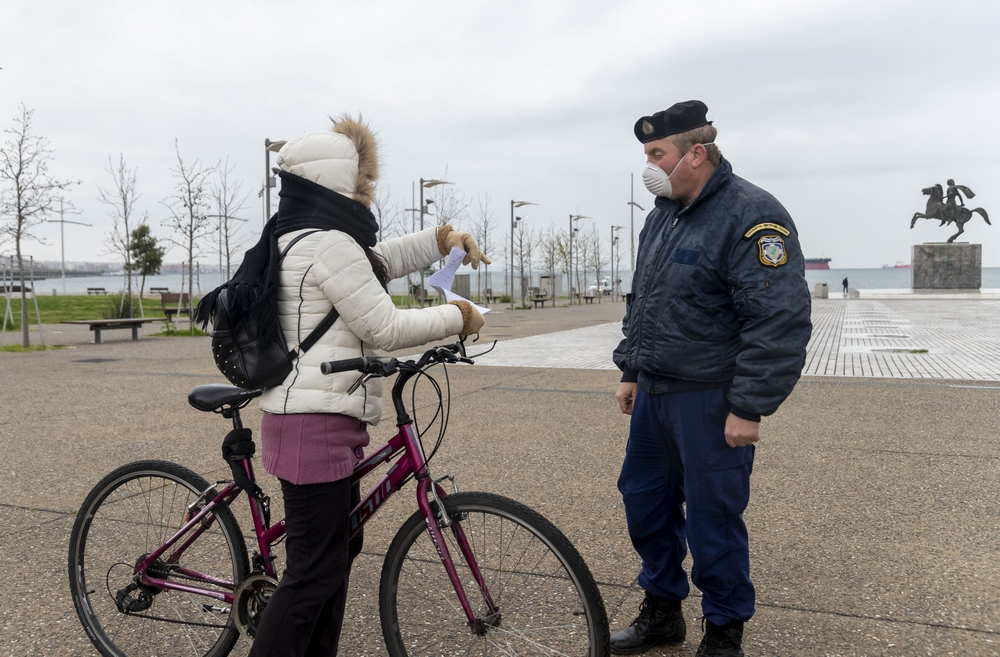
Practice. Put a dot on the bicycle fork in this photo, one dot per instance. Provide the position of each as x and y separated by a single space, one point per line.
427 488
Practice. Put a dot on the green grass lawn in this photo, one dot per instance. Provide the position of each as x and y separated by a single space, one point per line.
59 308
69 307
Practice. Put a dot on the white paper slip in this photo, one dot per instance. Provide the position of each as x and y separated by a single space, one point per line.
442 279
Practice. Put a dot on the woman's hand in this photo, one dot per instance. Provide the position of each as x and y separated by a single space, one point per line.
448 237
472 319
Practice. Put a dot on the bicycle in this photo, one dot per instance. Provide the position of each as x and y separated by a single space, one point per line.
158 564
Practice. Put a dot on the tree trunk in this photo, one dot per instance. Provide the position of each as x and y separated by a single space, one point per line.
25 340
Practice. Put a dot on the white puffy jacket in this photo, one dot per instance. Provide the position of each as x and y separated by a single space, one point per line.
329 268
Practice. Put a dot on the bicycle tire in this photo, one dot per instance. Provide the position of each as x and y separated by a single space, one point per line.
548 600
131 512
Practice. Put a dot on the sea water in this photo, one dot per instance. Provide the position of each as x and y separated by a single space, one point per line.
861 279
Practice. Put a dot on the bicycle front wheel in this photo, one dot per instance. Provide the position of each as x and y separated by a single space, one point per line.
545 601
128 515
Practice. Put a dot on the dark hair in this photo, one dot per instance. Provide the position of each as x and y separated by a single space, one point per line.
379 267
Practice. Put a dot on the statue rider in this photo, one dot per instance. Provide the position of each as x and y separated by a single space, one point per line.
954 198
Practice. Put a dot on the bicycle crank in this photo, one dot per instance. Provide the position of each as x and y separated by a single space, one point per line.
250 600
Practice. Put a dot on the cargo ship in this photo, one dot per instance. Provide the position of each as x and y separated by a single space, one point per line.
818 263
899 265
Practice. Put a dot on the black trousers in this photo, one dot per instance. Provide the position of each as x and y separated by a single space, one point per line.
306 612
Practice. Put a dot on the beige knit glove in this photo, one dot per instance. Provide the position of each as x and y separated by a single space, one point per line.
449 237
472 319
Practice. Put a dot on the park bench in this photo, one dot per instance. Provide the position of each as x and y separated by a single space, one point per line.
98 325
490 297
428 299
175 299
589 298
540 299
96 290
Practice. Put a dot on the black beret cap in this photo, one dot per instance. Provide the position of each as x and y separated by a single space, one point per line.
679 117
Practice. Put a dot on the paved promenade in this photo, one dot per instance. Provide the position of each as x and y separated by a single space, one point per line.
939 339
874 520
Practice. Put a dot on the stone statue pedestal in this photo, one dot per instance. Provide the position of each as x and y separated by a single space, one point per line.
943 266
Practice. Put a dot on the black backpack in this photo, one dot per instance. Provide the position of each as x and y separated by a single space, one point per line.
247 361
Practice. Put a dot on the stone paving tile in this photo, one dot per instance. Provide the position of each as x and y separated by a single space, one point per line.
583 348
936 339
939 339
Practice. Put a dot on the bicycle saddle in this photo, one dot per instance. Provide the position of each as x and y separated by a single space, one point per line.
216 395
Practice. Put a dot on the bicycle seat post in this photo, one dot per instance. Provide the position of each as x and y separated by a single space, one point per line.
233 412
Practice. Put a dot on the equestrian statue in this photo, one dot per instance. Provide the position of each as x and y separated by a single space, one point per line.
949 207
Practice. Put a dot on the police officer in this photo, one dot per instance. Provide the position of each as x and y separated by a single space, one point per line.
715 337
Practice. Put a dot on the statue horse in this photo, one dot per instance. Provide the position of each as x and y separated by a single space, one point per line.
946 213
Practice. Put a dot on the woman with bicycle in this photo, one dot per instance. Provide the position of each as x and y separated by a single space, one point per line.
314 428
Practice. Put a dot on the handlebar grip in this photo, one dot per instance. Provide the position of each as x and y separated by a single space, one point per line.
345 365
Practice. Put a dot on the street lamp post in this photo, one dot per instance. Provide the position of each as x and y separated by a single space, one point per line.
62 239
269 147
572 218
514 204
426 184
632 206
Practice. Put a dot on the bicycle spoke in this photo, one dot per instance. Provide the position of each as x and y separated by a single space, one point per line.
537 581
127 517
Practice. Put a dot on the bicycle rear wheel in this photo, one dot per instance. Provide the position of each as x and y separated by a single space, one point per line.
547 602
129 514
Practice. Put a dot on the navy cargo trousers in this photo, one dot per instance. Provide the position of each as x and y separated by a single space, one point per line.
676 455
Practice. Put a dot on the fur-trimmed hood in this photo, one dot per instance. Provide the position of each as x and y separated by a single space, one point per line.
344 159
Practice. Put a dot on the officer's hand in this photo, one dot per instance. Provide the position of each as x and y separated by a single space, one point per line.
740 432
626 396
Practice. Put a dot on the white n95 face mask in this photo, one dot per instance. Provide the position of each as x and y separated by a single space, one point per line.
657 180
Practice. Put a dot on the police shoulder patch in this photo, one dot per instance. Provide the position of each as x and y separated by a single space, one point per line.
772 250
766 226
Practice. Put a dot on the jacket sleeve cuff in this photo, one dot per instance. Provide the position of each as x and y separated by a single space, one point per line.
753 417
629 376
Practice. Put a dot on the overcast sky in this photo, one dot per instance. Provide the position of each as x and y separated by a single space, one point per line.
843 110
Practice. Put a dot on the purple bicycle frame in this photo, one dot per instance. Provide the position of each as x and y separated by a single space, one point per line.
412 462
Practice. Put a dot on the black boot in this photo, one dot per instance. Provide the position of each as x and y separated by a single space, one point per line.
721 640
660 622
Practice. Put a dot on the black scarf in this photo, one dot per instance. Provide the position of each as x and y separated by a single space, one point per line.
253 289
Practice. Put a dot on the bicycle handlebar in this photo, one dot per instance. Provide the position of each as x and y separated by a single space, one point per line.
345 365
381 366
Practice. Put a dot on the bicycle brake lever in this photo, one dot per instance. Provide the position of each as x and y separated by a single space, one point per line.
362 380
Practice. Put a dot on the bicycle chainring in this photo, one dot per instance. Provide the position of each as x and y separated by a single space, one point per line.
250 600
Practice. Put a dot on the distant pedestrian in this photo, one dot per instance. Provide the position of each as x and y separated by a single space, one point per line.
845 285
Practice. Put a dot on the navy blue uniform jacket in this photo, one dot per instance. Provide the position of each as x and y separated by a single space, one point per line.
719 298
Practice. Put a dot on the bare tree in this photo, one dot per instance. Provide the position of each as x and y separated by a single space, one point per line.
391 218
524 247
548 247
597 259
28 195
189 209
229 201
483 232
581 259
451 206
565 261
122 203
